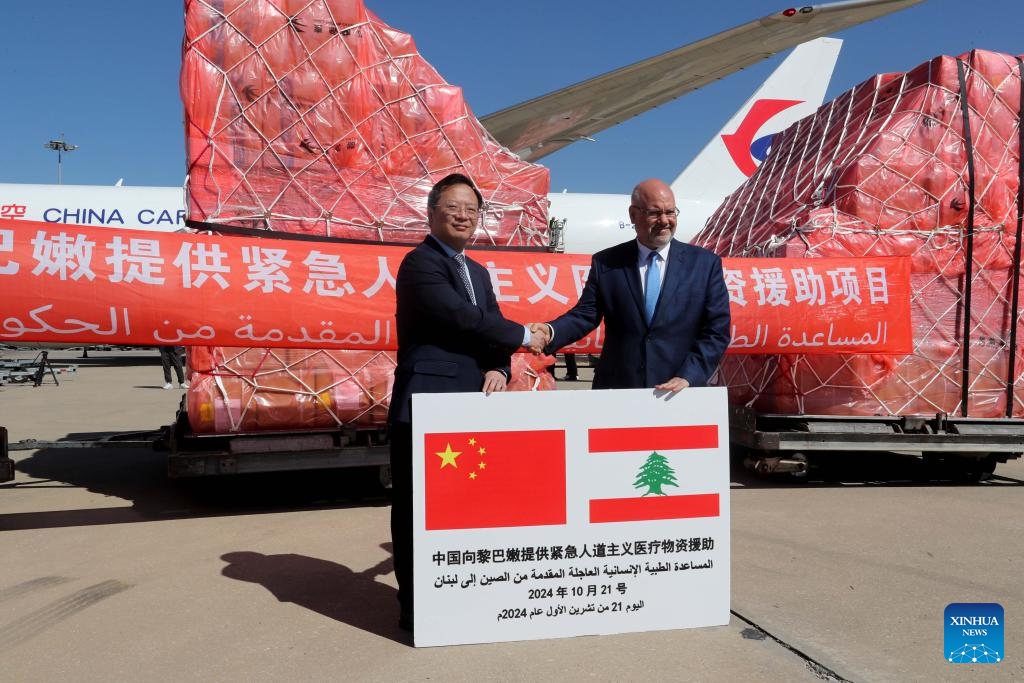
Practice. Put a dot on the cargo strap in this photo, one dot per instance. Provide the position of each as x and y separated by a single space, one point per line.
1011 363
969 259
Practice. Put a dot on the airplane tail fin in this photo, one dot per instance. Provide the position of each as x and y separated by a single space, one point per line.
794 90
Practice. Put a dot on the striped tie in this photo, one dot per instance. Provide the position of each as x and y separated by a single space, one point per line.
652 285
464 274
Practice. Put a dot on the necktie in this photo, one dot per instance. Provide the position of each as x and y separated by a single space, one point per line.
464 274
652 285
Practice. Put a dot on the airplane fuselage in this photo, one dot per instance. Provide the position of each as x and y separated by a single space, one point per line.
139 208
594 221
597 221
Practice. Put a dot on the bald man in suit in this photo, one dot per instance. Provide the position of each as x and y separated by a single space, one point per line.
663 302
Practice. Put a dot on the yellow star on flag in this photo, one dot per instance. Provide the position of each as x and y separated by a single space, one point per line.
448 456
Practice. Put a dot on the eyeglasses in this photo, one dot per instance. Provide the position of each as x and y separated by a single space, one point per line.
654 214
457 209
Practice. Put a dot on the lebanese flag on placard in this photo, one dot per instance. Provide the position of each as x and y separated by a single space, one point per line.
654 474
479 480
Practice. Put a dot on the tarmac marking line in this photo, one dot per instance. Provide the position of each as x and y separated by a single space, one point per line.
34 623
819 669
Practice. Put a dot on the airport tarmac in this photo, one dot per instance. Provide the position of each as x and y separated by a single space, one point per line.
110 571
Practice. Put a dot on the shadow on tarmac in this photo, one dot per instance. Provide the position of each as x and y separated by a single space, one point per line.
139 476
845 469
324 587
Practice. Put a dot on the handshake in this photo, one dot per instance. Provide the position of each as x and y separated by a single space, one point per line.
540 336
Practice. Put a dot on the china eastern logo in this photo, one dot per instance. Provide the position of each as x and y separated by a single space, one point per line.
974 633
746 152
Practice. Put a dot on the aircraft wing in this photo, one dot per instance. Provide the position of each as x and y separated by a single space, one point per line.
545 124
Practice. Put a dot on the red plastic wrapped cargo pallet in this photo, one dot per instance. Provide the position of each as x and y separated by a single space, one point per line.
251 390
316 117
883 170
313 116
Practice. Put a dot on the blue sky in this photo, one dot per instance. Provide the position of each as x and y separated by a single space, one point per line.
106 75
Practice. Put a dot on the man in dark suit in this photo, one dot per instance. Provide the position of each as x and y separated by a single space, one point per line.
664 304
451 338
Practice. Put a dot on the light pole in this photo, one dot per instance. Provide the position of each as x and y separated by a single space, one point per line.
60 146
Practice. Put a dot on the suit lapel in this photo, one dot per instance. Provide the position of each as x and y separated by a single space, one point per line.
453 270
630 256
674 279
674 276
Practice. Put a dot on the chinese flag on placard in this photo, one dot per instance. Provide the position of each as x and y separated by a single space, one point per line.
654 475
479 480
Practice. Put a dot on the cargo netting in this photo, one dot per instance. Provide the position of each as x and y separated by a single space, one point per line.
315 117
253 390
924 164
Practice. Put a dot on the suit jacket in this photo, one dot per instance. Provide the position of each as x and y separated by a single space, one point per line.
445 343
687 336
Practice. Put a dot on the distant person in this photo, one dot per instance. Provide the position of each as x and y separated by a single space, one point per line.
170 357
663 302
571 371
451 338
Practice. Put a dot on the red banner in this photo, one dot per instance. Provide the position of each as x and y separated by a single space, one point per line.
71 284
820 306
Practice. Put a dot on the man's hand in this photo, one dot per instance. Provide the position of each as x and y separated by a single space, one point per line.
494 380
675 385
540 337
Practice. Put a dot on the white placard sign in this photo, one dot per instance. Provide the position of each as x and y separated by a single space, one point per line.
551 514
